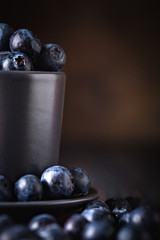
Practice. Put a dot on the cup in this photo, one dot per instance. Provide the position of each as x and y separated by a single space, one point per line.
31 110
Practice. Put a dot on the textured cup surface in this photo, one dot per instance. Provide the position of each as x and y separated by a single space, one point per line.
31 110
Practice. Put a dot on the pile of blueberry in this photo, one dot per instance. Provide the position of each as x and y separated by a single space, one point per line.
22 50
115 219
56 182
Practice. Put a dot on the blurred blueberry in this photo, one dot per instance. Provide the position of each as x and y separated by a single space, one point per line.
26 42
3 55
92 214
146 217
103 212
16 61
130 232
5 221
142 217
97 204
74 225
118 206
51 58
58 182
124 219
52 232
41 220
5 34
28 188
110 217
17 232
98 230
6 193
82 182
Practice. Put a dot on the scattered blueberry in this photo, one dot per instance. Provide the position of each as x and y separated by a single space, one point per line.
124 219
17 232
97 204
16 61
82 182
130 232
41 220
95 222
74 225
26 42
118 206
6 193
92 214
58 182
5 33
28 188
51 58
52 232
5 221
144 216
104 212
98 230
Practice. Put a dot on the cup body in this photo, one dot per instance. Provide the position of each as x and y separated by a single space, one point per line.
31 110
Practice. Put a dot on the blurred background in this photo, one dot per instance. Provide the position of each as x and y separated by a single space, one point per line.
111 112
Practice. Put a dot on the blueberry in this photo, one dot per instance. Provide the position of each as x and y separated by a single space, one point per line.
52 232
51 58
3 55
124 219
5 221
94 214
98 230
118 206
144 216
74 225
82 182
130 232
97 204
6 193
41 220
5 33
104 211
99 214
26 42
16 61
58 182
17 232
28 188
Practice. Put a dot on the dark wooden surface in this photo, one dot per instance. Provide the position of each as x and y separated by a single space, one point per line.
118 170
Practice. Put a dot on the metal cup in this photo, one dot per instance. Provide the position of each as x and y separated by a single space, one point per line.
31 109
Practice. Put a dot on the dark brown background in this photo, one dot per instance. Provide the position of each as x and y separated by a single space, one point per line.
111 112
